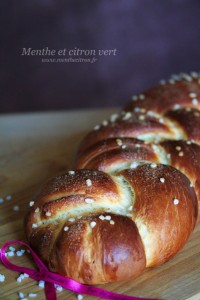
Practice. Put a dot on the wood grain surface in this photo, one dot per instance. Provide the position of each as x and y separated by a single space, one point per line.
37 146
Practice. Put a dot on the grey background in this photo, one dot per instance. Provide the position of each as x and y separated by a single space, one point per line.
153 40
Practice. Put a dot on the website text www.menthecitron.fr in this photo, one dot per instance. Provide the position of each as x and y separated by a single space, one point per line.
69 60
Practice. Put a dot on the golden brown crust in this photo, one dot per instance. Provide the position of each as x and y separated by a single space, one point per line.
112 154
165 214
92 231
189 120
128 124
101 254
185 156
162 98
133 202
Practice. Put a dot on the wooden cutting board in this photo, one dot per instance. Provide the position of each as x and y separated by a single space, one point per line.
37 146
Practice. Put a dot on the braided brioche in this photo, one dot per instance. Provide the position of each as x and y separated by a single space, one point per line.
132 201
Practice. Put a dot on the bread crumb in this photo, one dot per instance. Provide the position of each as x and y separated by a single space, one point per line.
2 278
176 201
137 145
127 115
141 97
16 207
141 117
178 148
89 182
135 98
89 200
10 253
162 179
119 142
11 248
41 283
195 101
97 127
71 172
21 277
59 288
48 214
113 118
71 219
32 295
153 165
176 106
93 224
20 252
21 295
105 123
192 95
129 215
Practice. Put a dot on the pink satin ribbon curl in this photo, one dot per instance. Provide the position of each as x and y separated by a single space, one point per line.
52 278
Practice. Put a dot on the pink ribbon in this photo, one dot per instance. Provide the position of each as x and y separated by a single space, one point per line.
52 278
